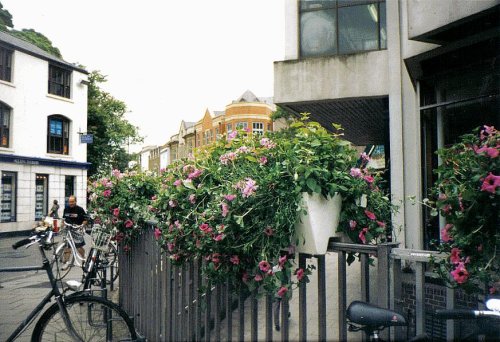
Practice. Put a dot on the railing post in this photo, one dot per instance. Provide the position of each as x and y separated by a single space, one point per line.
302 302
419 297
321 298
342 270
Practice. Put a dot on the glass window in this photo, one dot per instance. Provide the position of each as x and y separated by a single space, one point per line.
69 188
242 125
341 27
58 135
5 64
59 81
41 196
8 196
258 128
229 128
4 125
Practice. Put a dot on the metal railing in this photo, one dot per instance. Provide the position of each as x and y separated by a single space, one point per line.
167 306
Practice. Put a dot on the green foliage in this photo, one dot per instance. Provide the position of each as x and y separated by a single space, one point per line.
281 113
124 202
5 19
236 205
38 39
111 130
467 195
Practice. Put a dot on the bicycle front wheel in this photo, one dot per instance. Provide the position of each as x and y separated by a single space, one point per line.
62 261
93 319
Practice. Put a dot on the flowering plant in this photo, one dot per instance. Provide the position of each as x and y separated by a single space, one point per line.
123 201
467 193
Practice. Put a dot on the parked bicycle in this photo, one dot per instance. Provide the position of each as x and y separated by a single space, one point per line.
66 254
372 319
77 317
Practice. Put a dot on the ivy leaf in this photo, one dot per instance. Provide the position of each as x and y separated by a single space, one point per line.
188 185
239 220
312 184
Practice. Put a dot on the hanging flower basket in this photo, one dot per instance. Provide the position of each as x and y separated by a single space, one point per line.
314 228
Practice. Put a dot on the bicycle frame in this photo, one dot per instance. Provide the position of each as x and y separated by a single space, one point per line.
54 292
68 238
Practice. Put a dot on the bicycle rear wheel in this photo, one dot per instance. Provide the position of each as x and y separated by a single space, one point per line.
57 262
112 257
93 318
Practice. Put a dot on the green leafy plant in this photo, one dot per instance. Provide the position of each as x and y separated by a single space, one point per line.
123 201
467 195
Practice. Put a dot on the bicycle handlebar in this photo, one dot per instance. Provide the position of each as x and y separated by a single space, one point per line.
456 314
21 243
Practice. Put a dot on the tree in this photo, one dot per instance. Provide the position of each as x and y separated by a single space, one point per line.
110 128
5 19
29 35
38 39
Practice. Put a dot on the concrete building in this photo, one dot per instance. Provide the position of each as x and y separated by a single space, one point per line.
43 112
144 157
407 76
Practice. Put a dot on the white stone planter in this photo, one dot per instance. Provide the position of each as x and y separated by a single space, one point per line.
313 230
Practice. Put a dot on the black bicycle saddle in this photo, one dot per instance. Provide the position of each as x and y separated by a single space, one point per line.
370 315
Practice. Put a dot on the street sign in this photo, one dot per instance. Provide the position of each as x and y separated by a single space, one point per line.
86 138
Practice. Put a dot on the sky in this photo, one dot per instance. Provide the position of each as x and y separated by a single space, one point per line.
167 60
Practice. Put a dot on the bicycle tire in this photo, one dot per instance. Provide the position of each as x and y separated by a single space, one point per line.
93 318
112 256
57 262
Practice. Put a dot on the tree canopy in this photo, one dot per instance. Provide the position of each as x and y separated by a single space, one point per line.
106 121
5 19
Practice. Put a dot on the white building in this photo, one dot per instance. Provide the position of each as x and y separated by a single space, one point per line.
408 76
43 110
144 156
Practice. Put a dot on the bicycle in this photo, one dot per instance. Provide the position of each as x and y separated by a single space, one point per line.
372 319
77 317
69 233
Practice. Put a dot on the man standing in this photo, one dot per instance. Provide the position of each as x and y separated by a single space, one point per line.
74 214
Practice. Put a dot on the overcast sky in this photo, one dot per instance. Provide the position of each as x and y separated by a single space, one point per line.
167 60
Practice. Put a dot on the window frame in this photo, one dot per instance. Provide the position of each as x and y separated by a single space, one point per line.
260 130
59 87
335 6
6 60
64 137
5 130
13 196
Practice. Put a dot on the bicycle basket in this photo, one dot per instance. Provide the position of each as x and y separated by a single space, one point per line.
100 237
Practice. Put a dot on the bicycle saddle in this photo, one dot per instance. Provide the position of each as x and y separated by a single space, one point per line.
367 314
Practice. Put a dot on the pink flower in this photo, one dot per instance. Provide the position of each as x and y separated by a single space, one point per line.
352 224
480 248
195 174
356 173
170 246
460 273
245 277
300 274
178 182
157 233
243 149
282 291
445 234
205 228
116 212
258 277
368 179
282 260
490 183
268 231
192 198
232 135
219 237
129 223
486 131
106 193
264 266
263 161
381 224
230 198
446 209
455 256
492 152
126 248
267 143
116 173
235 260
370 215
216 258
225 209
249 188
364 157
172 203
362 235
104 181
153 198
442 197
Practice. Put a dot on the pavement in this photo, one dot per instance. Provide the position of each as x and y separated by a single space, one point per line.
21 292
